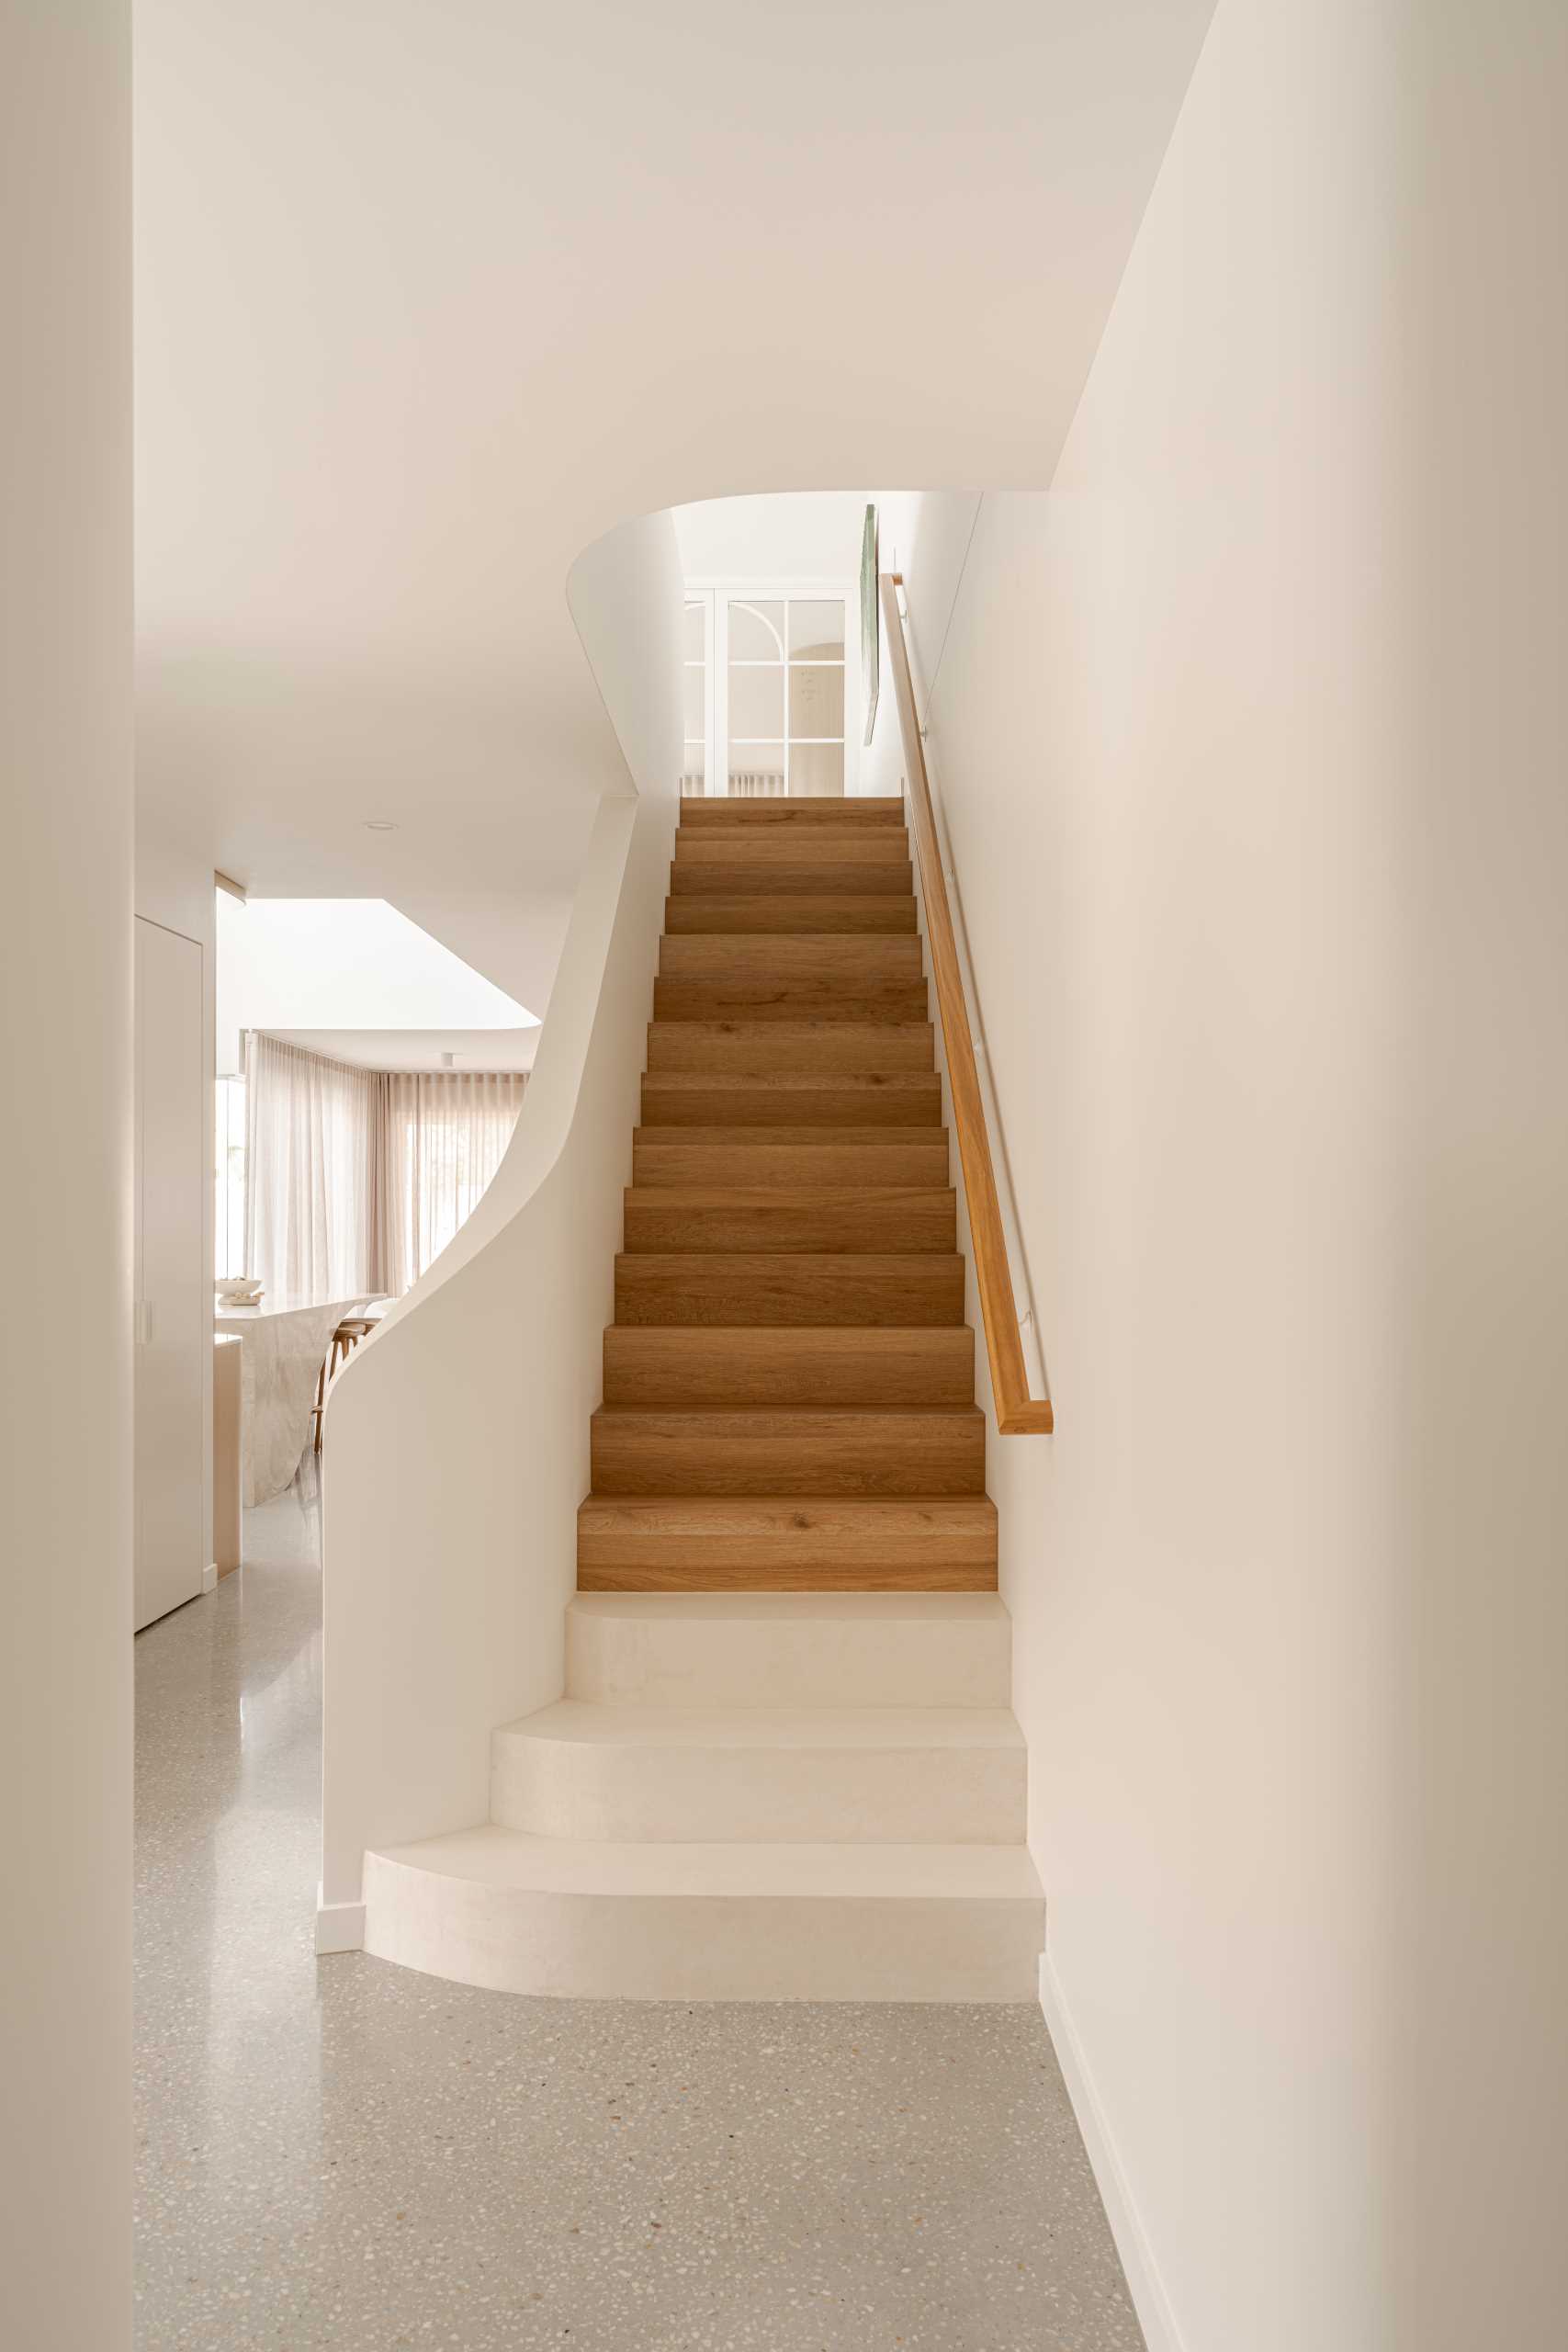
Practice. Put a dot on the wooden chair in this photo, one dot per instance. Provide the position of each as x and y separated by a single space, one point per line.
345 1339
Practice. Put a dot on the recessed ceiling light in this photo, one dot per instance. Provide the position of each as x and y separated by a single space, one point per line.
379 825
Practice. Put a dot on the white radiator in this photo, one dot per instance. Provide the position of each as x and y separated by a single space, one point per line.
749 783
756 783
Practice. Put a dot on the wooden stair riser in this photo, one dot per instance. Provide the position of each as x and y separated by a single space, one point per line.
676 1367
846 967
881 1220
766 912
790 979
813 1049
819 877
709 1002
735 1452
855 1100
794 815
800 1291
661 1156
779 1545
843 847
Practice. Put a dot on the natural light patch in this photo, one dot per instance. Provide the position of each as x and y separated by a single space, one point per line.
343 964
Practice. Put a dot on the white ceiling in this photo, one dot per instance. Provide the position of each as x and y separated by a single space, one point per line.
348 963
430 297
285 965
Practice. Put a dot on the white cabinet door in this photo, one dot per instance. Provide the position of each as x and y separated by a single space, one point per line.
173 1287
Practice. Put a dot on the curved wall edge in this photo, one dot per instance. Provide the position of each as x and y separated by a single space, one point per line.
456 1452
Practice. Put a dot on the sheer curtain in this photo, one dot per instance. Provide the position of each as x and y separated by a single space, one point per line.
309 1159
442 1137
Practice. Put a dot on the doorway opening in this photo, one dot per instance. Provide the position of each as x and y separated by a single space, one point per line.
771 705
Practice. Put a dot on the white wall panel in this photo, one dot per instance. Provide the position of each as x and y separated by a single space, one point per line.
173 1277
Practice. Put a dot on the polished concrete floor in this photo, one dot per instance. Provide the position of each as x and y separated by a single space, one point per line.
341 2152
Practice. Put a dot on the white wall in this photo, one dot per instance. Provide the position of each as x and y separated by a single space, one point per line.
173 887
1477 1246
449 1561
1252 736
786 535
65 966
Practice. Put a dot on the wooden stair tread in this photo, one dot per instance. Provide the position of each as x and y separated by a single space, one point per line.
766 1196
764 912
802 1138
797 810
723 1421
843 1086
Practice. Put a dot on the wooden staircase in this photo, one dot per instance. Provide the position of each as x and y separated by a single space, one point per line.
789 1382
784 1765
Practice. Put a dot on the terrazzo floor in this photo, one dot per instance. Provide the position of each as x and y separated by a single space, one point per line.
345 2154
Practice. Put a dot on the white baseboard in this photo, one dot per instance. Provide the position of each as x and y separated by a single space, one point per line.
210 1576
340 1927
1144 2282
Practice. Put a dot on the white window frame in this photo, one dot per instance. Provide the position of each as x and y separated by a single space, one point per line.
696 596
716 597
230 1146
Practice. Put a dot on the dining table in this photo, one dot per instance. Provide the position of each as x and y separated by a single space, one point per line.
285 1345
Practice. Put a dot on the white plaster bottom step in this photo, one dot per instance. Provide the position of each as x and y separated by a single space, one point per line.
871 1775
789 1649
591 1920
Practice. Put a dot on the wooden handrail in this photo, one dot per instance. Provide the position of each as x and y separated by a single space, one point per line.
1017 1413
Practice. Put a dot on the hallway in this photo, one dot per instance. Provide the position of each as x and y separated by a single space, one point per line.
348 2154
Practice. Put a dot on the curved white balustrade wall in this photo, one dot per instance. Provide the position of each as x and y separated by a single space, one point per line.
456 1449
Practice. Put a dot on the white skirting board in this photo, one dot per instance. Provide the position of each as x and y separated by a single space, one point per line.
340 1927
210 1576
1144 2282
